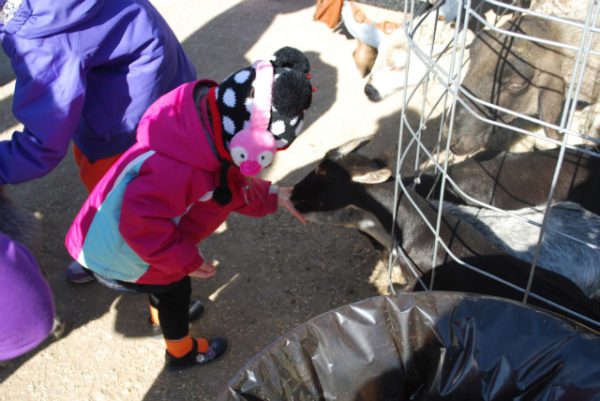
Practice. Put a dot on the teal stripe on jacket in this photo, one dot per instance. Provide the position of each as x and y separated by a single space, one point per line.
104 250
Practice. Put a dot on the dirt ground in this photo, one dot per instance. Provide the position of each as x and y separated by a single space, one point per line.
273 273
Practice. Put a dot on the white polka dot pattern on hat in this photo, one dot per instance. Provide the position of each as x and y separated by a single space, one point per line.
242 76
235 103
228 125
229 99
249 104
277 127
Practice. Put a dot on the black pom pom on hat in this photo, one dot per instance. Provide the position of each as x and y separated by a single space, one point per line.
292 58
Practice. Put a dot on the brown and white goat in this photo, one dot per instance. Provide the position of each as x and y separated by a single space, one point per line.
525 76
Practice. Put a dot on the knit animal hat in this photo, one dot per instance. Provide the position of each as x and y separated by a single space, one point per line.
268 96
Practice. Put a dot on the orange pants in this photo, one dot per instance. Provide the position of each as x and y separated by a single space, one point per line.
90 173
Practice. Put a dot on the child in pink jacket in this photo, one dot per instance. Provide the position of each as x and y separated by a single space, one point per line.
197 152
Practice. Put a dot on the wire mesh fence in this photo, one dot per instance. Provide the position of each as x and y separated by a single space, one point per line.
509 81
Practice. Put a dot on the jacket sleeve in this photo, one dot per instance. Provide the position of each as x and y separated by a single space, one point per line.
153 203
261 198
48 101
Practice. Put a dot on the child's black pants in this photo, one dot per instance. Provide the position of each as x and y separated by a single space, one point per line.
172 302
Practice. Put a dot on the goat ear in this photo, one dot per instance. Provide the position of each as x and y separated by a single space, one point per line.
550 103
344 149
372 177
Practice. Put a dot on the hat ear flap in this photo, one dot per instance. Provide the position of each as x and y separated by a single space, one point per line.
289 57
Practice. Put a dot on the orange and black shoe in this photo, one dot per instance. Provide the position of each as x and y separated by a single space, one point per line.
216 348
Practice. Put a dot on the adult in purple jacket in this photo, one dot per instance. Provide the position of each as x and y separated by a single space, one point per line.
86 70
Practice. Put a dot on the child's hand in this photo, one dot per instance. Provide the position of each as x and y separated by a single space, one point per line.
284 201
206 270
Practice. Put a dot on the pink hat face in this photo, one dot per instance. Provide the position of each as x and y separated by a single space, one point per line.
252 150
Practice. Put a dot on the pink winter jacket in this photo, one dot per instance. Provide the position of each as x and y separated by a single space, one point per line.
143 221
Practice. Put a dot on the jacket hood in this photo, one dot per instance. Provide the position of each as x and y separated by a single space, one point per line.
172 127
39 18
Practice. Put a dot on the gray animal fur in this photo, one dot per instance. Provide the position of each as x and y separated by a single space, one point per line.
396 5
580 262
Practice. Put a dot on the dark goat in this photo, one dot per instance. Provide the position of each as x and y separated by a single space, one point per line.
516 180
349 189
521 75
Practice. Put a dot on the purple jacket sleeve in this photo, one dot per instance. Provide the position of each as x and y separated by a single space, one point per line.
152 204
48 101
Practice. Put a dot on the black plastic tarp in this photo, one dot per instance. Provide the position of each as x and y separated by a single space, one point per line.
426 346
